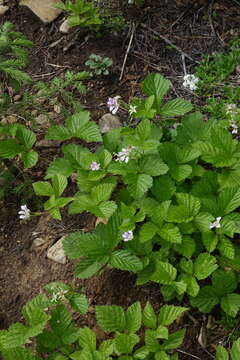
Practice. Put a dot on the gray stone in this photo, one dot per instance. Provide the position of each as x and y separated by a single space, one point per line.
56 252
44 9
109 122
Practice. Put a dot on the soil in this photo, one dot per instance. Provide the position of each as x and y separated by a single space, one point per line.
197 28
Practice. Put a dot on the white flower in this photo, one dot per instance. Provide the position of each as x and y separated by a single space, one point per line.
24 213
231 108
190 81
123 156
59 296
216 224
132 110
113 104
234 128
127 236
94 166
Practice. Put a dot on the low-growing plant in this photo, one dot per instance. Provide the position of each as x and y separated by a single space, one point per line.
81 13
171 205
226 354
100 66
13 55
48 321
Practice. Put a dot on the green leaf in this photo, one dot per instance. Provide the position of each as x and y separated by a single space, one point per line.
169 313
210 240
59 183
229 200
188 208
9 149
205 300
79 303
204 265
170 233
235 351
29 159
138 184
125 260
221 353
157 85
174 340
26 137
152 165
226 248
176 107
147 232
161 355
191 129
143 129
106 209
224 282
57 132
187 247
43 188
125 343
163 188
60 320
133 317
60 166
192 284
88 267
102 192
110 318
164 273
149 316
180 172
90 133
231 304
87 339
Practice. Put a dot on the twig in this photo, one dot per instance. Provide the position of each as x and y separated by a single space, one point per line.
127 52
169 43
184 65
186 353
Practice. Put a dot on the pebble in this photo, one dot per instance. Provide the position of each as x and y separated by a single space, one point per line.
64 28
109 122
56 252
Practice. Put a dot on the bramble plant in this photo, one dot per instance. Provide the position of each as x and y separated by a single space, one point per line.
13 55
49 322
101 66
81 13
171 205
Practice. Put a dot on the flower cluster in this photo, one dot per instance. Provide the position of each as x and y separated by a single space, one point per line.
215 224
190 81
123 155
24 213
127 235
95 166
232 111
113 104
59 296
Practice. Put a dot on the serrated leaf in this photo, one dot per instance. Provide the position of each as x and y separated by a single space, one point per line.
224 282
149 316
79 303
9 149
229 200
157 85
125 343
102 192
174 340
192 284
133 317
110 318
169 313
221 353
204 266
58 133
125 260
205 300
59 183
164 273
180 172
163 188
235 351
170 233
106 209
59 166
153 166
176 107
188 208
87 339
90 133
138 184
147 232
143 129
210 240
88 267
226 248
187 247
26 137
43 188
29 159
230 303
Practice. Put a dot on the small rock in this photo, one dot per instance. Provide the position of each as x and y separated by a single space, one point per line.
39 241
44 9
17 97
64 28
3 9
109 122
57 109
56 252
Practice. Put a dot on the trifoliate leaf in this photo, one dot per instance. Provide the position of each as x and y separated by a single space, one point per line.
125 343
157 85
133 317
164 273
174 340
